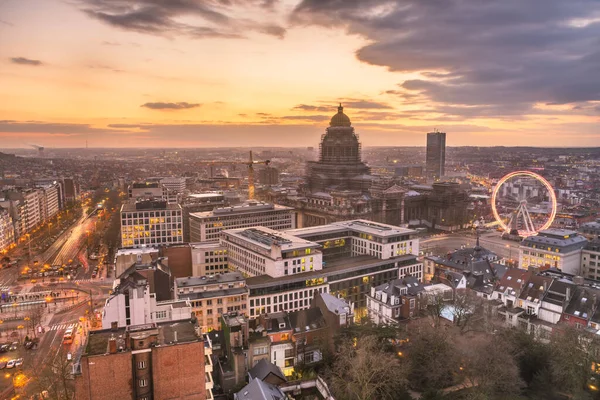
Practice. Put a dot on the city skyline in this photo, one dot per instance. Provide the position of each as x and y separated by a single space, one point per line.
147 73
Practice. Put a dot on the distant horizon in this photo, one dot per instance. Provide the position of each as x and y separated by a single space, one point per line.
125 73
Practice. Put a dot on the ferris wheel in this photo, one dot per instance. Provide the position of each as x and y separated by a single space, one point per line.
524 203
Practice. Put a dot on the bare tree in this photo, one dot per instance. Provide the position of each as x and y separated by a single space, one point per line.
35 319
467 311
435 306
362 371
433 358
491 370
55 377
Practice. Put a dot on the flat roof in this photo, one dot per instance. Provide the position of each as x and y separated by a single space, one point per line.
226 277
151 206
206 245
358 225
136 250
246 208
348 264
98 340
205 195
266 237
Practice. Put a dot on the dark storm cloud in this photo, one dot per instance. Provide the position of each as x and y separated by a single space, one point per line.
25 61
496 54
170 106
164 17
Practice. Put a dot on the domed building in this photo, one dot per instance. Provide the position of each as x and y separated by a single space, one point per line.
340 167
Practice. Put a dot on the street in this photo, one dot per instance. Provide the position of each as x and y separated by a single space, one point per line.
60 303
441 244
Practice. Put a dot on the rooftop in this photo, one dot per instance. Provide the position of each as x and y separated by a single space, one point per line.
246 208
225 278
562 239
266 237
149 205
98 340
359 225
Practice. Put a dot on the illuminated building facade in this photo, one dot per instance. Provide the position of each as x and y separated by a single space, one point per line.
349 257
553 248
7 230
151 223
207 226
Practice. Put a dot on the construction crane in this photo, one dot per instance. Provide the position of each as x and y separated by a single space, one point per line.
40 149
250 164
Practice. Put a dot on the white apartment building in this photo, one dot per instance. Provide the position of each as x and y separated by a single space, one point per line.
7 230
264 251
553 248
590 260
33 206
362 237
151 191
151 223
51 201
131 303
208 258
207 226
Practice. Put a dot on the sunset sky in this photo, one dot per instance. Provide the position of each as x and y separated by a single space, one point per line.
177 73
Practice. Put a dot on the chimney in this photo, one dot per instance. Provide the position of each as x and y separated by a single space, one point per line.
568 294
139 258
545 286
175 336
112 345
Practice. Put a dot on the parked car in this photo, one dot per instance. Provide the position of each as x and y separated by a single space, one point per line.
4 348
11 364
29 345
14 345
18 362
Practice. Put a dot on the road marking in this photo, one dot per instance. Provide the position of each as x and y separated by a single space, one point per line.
58 327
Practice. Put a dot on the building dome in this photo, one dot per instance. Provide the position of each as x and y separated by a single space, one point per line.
340 119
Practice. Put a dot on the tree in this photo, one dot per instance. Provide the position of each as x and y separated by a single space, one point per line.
436 304
467 311
433 360
571 360
35 319
55 377
362 371
491 370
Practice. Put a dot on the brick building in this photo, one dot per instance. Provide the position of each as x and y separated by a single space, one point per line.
144 362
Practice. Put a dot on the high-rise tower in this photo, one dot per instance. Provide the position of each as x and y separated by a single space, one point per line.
436 154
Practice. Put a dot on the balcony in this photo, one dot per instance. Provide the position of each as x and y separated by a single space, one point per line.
209 381
208 365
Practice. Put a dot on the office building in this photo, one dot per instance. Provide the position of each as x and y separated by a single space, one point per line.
7 231
591 230
435 161
151 223
349 257
263 251
553 248
198 202
268 175
145 362
174 184
207 226
208 258
212 296
151 191
590 260
131 302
